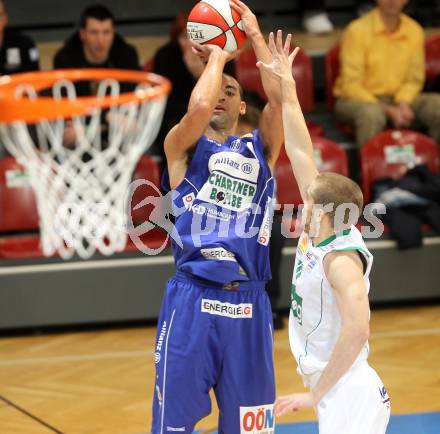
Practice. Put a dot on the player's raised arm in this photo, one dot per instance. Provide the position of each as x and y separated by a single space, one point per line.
203 100
297 139
271 126
250 24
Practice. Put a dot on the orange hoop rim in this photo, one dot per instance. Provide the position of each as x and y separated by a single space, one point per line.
13 109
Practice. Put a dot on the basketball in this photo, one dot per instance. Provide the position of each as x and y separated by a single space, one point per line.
215 22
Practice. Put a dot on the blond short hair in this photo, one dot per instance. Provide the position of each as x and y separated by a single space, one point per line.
332 188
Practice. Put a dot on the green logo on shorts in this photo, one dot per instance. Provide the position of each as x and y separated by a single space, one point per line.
296 307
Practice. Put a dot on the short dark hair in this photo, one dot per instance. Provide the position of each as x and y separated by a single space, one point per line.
98 12
251 117
240 89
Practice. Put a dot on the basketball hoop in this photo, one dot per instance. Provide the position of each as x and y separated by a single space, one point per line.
80 151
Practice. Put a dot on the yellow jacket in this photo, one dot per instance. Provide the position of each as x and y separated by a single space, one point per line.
376 63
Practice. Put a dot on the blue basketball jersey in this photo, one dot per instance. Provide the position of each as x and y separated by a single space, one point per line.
223 211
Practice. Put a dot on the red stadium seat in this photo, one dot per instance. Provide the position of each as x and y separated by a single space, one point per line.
153 239
329 156
20 247
303 74
17 199
432 55
332 66
315 129
248 76
18 213
147 169
375 164
287 188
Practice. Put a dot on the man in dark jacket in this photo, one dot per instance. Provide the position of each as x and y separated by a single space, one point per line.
18 53
96 45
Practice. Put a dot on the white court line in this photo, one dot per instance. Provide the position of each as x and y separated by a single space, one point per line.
87 265
76 358
403 334
281 343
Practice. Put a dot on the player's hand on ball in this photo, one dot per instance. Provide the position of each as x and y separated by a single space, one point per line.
206 50
249 20
281 66
294 402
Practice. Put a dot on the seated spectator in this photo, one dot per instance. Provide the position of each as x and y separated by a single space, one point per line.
18 53
96 45
382 75
176 61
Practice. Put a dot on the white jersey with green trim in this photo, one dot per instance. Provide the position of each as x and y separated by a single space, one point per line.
315 321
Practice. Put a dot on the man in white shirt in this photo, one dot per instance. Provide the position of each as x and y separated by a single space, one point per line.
329 319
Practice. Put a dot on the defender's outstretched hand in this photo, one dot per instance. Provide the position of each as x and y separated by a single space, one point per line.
282 59
297 141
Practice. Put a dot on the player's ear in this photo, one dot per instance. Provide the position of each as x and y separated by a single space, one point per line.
242 108
82 34
321 215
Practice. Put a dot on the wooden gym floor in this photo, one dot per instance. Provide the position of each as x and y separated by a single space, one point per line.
102 381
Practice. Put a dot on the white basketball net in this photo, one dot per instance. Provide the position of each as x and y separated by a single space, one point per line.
80 186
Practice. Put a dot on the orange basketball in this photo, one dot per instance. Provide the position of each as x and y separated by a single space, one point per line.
215 22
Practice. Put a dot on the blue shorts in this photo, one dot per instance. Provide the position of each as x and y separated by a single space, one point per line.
210 337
